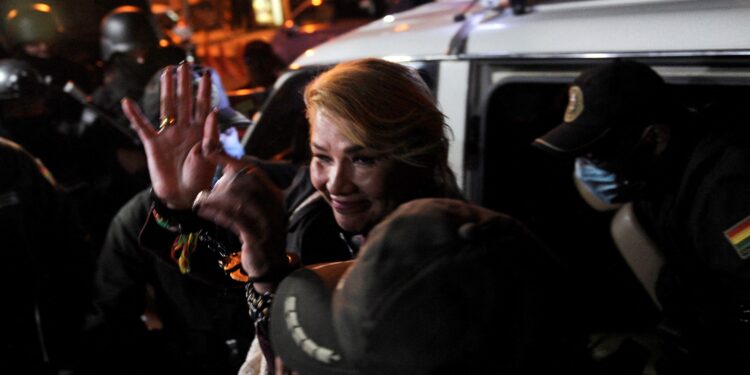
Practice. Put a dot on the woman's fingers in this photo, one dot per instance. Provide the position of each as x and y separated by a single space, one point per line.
211 145
210 212
204 97
137 120
176 98
184 95
167 96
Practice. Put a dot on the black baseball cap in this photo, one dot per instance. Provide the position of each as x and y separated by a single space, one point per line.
608 101
440 286
301 324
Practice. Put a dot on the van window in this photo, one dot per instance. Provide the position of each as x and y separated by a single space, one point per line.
538 188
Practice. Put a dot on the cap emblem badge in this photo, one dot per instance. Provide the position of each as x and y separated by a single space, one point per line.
575 104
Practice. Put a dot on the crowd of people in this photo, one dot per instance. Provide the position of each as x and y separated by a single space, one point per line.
153 242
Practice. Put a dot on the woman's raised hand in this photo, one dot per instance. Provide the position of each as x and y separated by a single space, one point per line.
177 167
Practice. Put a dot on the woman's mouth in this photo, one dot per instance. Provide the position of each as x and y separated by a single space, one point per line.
350 207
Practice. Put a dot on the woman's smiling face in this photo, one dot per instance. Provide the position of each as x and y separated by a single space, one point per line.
352 178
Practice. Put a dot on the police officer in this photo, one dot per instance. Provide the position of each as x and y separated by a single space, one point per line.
116 168
689 182
46 266
26 118
34 35
131 52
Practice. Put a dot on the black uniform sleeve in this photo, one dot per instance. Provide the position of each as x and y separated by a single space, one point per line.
114 330
723 203
47 261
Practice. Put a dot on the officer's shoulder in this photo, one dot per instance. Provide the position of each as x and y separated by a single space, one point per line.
17 162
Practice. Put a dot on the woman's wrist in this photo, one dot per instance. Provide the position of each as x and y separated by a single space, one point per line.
260 289
184 220
279 270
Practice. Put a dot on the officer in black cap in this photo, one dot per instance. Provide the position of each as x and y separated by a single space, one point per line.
689 183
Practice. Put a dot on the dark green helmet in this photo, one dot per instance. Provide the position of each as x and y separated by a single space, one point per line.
125 29
32 23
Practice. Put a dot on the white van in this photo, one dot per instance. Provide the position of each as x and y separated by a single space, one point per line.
474 53
501 78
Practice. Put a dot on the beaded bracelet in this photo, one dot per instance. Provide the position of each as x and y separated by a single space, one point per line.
260 303
163 222
184 219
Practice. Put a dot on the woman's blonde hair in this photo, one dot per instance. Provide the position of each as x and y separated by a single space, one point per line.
388 108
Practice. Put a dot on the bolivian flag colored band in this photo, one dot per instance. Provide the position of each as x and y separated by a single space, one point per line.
739 236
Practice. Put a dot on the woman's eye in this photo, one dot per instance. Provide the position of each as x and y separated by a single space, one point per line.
322 158
364 160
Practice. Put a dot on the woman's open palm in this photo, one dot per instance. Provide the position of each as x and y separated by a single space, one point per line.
176 165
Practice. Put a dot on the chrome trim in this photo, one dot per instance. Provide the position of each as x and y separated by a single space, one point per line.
607 55
564 55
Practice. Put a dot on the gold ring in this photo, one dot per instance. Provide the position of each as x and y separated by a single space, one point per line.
166 121
202 196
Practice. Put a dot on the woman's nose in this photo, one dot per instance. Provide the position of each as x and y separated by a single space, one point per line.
340 180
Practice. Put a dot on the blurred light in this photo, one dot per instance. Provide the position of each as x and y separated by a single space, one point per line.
159 8
597 55
267 12
398 58
12 14
163 43
496 26
308 29
173 15
127 9
288 24
401 27
294 66
42 7
245 92
317 3
389 18
310 52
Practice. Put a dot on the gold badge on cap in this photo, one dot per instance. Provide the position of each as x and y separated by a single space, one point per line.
575 104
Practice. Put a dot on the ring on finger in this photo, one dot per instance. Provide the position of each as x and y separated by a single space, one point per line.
202 195
166 121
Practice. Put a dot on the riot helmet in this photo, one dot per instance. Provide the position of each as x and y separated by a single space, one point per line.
32 23
18 79
126 29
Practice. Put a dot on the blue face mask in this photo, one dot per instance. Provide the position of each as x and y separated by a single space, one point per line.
602 184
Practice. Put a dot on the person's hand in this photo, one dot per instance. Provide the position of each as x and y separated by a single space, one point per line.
177 167
246 202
